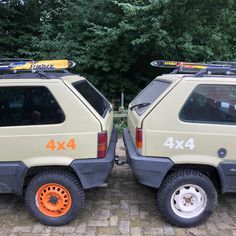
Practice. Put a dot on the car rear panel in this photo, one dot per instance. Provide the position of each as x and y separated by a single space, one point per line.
92 98
136 118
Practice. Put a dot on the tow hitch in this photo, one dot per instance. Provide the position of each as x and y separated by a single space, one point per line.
118 162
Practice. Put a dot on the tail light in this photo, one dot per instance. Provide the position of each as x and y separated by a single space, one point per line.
139 139
102 144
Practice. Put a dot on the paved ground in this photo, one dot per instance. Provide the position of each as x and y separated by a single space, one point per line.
124 207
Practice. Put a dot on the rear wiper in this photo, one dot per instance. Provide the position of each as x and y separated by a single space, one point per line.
140 105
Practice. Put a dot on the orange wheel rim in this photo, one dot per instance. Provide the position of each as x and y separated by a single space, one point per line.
53 200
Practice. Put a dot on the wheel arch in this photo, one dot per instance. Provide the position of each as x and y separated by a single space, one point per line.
210 171
32 171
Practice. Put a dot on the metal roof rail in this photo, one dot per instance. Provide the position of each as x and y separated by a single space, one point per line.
218 69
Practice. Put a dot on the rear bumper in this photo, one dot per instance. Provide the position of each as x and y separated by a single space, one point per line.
94 172
149 171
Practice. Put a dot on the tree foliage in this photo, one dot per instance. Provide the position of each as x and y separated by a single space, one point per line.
114 40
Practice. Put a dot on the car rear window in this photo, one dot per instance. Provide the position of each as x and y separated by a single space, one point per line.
94 98
149 95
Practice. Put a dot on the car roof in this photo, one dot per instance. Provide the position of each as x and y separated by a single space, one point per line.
41 76
191 77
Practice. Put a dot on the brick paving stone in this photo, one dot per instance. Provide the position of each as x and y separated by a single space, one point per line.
111 207
136 231
168 230
81 229
105 213
153 231
41 229
90 232
124 227
113 220
197 232
102 202
134 210
125 205
226 218
63 229
212 229
107 230
143 215
98 223
21 229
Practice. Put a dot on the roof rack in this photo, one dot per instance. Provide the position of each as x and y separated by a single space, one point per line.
198 69
14 65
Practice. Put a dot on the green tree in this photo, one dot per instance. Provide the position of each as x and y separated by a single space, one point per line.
19 20
114 40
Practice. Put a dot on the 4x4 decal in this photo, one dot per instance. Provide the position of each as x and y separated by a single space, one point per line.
179 144
61 145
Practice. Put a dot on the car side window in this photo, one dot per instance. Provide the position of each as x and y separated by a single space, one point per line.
28 105
211 104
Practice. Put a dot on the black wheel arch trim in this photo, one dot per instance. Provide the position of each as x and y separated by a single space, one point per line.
227 173
12 176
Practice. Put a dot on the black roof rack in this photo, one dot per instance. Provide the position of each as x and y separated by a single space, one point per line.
198 69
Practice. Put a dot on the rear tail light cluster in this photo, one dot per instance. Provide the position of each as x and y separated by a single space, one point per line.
102 144
139 139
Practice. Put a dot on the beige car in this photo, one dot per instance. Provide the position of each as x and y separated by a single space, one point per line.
57 139
181 139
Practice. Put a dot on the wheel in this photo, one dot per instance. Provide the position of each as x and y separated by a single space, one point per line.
54 197
186 198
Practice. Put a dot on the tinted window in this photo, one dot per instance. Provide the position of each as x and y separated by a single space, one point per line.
149 94
211 104
28 106
94 98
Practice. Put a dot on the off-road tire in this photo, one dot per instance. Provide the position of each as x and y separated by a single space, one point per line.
170 187
59 177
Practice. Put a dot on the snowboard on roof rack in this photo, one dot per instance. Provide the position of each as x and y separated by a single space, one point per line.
25 64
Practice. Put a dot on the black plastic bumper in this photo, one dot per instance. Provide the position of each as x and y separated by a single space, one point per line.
149 171
94 172
12 175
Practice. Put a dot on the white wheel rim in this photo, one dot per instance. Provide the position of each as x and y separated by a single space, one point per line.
188 201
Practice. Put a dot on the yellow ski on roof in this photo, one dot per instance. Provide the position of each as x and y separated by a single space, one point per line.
36 65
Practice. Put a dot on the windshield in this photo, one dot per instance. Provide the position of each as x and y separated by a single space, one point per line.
149 94
95 99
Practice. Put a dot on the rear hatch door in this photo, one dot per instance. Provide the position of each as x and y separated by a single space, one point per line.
146 100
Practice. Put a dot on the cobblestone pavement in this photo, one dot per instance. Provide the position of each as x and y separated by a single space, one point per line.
124 207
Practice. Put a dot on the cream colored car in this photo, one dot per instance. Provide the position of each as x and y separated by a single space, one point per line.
57 139
181 139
